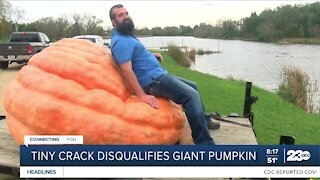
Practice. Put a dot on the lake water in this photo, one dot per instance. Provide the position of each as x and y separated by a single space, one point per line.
259 63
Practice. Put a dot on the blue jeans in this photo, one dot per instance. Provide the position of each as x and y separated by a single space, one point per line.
195 86
184 92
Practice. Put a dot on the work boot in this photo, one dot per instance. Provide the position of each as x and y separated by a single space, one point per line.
213 125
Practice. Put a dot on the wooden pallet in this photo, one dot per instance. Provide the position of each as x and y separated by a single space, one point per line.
230 133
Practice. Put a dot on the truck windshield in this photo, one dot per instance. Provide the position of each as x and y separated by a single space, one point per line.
25 37
90 39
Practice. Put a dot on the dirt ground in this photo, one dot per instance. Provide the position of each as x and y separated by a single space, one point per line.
6 76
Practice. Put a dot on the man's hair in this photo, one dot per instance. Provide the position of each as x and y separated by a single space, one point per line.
111 13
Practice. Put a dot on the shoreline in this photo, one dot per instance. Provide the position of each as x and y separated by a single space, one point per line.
282 41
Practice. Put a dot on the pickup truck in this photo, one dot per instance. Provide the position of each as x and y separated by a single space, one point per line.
93 38
21 47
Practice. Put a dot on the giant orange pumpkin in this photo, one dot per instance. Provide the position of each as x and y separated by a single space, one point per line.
75 88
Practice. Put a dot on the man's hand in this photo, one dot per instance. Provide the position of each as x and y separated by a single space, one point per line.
151 100
158 56
132 80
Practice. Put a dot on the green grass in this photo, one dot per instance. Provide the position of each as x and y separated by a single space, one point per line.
273 115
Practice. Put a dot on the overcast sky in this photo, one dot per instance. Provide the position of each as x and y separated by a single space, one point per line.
153 13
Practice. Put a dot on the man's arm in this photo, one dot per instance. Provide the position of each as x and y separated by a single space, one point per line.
158 56
131 78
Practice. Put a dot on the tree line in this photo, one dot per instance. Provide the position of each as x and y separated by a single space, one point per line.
55 28
270 25
298 21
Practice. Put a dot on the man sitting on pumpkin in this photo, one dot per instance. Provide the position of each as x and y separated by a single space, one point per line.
148 79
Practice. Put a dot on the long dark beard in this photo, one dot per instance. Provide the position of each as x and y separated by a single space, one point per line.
126 27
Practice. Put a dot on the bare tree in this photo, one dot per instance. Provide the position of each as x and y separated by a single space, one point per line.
5 24
78 25
47 25
62 24
17 16
92 24
85 24
5 9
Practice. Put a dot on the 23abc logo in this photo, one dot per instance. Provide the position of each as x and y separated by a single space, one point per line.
298 155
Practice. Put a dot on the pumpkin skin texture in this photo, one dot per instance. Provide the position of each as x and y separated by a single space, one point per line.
74 87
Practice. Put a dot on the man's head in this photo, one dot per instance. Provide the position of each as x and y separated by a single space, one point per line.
121 20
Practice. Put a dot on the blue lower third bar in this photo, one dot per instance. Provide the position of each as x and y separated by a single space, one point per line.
169 155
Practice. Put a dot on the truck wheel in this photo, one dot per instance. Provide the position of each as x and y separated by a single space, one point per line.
4 64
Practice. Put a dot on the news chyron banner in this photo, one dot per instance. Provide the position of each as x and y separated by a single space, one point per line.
75 160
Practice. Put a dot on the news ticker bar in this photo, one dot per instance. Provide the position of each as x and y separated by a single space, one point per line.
170 155
169 172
